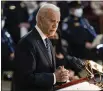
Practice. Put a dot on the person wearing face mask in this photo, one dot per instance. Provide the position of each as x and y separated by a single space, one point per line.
78 32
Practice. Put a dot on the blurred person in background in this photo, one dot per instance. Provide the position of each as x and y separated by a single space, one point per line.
32 8
97 7
64 11
7 52
93 11
16 21
78 32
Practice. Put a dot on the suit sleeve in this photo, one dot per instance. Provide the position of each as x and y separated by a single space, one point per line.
26 68
74 63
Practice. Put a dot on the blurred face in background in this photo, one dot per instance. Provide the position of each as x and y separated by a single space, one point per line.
49 22
31 6
77 12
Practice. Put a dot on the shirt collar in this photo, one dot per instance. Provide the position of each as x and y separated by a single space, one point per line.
40 32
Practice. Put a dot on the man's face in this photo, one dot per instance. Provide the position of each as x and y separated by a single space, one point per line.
50 22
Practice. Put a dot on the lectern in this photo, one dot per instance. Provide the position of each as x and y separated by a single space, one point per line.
92 82
81 84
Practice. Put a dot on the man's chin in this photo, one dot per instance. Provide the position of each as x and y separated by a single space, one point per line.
51 35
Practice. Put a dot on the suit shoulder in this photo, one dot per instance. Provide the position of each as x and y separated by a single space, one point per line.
26 40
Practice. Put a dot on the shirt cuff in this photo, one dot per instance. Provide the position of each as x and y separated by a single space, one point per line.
54 78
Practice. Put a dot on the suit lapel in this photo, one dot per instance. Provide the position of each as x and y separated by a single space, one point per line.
44 51
53 56
41 45
53 61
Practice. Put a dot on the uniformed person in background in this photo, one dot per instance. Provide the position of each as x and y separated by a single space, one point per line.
78 32
32 8
16 21
7 52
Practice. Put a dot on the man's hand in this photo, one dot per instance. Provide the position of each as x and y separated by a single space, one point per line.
88 45
12 55
62 75
60 56
72 75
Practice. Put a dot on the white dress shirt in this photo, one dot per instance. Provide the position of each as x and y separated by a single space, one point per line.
43 38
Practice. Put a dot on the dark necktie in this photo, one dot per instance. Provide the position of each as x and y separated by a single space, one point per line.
47 43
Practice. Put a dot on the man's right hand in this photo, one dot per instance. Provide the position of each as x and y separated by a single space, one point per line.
62 75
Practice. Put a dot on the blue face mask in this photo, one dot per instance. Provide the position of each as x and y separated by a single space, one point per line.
78 12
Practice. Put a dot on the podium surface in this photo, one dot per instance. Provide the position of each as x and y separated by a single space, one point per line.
81 86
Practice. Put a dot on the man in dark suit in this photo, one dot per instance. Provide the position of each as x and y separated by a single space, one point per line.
34 59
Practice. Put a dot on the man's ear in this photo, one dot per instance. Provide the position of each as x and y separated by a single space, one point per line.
40 20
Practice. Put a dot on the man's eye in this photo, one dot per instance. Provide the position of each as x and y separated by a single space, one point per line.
52 21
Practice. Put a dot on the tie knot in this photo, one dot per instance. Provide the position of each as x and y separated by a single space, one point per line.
47 43
46 40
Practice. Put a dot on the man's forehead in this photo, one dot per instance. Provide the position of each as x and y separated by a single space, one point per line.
51 12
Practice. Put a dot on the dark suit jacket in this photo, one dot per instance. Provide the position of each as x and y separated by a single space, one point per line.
33 68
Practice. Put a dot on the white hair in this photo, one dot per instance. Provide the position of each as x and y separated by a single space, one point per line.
46 6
